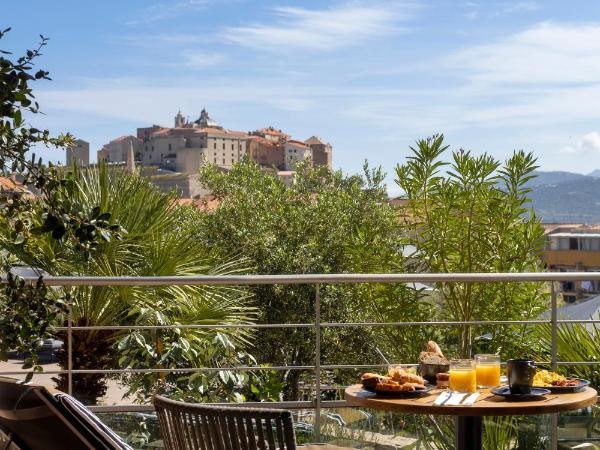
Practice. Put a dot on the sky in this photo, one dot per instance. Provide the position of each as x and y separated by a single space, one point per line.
371 77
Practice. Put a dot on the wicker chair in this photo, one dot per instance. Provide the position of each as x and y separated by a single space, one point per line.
197 426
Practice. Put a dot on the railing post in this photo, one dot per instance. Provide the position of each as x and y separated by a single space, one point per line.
317 400
554 325
70 350
554 359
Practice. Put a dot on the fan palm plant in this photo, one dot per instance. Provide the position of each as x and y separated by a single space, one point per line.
158 242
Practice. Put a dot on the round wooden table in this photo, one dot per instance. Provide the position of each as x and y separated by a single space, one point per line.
469 418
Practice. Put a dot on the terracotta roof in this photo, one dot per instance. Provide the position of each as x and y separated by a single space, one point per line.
207 203
125 137
398 201
8 184
262 140
316 140
296 142
210 131
271 130
555 228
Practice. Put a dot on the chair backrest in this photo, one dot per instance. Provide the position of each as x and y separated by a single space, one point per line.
198 426
35 419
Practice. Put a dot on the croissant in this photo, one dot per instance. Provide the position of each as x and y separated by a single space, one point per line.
402 376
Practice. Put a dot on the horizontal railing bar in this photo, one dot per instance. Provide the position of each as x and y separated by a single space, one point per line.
221 280
440 322
281 404
183 327
249 368
192 369
323 324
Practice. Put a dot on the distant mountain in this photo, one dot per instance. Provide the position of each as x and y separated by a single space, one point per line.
594 173
566 197
546 178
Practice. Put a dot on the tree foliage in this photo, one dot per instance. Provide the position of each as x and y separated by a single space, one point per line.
470 215
160 241
49 213
322 222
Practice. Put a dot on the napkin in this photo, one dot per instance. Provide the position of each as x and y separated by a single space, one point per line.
441 398
455 399
471 399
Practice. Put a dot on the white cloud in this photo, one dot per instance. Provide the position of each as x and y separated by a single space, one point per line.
498 9
200 58
518 7
163 11
588 144
321 29
545 53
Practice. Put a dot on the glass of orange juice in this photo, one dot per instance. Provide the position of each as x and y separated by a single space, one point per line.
462 375
488 370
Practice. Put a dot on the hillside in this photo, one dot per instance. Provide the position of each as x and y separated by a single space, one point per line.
556 177
566 197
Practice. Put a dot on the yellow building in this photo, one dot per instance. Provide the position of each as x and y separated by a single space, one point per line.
573 248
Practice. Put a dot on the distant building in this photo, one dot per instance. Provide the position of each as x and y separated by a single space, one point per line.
295 152
191 144
573 248
265 152
322 152
79 153
116 151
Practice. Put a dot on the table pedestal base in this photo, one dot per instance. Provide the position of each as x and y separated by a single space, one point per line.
468 433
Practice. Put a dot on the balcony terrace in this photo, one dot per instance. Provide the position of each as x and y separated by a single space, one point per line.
322 419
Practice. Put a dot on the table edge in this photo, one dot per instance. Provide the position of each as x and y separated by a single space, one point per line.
428 409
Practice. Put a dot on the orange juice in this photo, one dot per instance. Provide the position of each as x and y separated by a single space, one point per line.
463 380
488 375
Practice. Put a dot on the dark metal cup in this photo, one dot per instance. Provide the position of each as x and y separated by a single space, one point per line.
520 375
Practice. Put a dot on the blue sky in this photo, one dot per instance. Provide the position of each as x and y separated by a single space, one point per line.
369 76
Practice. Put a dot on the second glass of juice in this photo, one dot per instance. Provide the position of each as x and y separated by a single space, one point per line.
488 370
462 375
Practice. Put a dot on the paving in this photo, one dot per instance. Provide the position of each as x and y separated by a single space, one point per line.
114 394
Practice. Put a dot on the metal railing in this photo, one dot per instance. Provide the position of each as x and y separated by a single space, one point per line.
317 280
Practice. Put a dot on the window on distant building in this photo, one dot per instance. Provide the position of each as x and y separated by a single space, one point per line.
573 244
169 147
223 145
215 159
214 145
223 160
153 148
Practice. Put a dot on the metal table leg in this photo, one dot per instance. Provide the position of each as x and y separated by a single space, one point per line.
468 433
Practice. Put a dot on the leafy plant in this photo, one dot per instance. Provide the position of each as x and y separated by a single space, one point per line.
324 222
160 241
469 215
28 311
575 342
60 218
